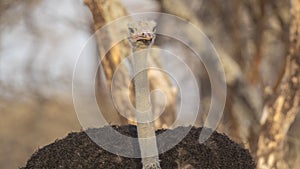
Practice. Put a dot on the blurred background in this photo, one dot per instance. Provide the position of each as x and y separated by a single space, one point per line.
41 40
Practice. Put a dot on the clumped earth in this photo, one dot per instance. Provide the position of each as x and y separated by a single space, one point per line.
77 150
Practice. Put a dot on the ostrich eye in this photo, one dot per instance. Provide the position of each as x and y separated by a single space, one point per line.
131 30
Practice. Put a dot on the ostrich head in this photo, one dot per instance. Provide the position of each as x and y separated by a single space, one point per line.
141 32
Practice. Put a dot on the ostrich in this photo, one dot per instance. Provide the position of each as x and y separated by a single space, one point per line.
141 38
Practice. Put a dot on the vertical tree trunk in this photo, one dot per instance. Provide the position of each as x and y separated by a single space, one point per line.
104 12
281 110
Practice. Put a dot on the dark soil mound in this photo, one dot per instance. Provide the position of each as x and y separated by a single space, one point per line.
77 150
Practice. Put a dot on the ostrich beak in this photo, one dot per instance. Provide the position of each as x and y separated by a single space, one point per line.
145 36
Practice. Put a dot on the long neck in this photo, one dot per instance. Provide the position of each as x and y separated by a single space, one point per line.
144 115
141 82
